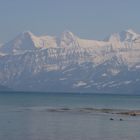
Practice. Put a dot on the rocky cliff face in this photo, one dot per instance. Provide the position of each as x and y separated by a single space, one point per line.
71 64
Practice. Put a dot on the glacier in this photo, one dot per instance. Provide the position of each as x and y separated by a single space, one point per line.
71 64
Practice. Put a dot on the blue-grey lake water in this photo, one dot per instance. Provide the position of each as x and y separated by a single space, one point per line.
55 116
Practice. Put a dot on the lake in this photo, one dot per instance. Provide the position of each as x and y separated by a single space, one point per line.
67 116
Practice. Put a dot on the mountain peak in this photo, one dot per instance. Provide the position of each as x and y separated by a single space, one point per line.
131 31
128 35
67 35
68 39
27 33
20 44
125 35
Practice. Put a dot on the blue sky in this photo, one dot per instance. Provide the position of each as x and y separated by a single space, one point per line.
93 19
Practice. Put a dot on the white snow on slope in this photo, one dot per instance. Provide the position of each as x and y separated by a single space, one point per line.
44 41
124 45
28 41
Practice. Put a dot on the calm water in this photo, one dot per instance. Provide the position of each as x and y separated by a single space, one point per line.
26 117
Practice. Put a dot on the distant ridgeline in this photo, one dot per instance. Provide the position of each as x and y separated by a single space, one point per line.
71 64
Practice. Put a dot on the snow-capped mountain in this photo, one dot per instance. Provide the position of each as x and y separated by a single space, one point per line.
28 41
71 64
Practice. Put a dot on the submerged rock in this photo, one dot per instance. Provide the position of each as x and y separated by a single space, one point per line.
111 119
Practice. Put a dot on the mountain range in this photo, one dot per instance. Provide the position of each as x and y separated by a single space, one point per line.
71 64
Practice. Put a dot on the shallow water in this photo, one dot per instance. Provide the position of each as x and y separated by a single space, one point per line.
28 117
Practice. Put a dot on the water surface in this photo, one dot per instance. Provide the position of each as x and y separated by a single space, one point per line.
27 116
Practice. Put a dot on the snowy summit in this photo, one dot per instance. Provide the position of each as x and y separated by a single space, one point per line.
69 63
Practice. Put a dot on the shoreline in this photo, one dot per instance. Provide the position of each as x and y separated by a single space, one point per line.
126 112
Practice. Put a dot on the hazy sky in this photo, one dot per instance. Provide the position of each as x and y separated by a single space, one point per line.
93 19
